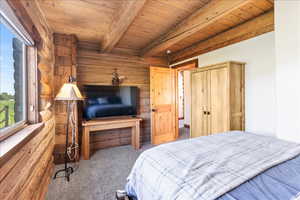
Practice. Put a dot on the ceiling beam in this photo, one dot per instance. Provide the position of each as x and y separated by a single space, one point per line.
252 28
205 16
157 61
121 23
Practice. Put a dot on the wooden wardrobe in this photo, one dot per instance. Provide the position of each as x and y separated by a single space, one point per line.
217 98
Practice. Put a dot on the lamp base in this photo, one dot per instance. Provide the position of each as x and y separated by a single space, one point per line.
68 171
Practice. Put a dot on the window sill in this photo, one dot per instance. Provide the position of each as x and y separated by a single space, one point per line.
12 144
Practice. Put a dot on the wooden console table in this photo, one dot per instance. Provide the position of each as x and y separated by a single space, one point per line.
106 124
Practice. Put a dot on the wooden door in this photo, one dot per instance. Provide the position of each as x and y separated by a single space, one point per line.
199 98
219 100
163 105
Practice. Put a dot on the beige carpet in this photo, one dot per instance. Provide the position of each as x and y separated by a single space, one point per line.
99 177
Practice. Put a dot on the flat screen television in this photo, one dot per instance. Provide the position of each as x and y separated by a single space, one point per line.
107 101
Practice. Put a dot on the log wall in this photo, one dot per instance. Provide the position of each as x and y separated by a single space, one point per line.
65 65
95 68
27 173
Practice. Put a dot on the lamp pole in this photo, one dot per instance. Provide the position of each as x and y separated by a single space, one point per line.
68 170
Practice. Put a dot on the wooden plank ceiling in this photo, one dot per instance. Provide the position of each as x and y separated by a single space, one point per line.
149 27
88 19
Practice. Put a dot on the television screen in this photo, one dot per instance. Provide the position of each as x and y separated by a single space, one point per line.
106 101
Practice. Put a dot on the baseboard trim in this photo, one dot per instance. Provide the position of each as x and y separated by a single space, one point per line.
186 126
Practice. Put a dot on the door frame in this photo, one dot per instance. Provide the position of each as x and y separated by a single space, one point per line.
189 65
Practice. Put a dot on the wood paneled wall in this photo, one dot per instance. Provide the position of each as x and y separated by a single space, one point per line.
65 65
95 68
27 173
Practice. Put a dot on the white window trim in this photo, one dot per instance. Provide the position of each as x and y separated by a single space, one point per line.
25 81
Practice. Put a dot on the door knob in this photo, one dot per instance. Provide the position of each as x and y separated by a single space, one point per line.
153 110
204 112
208 113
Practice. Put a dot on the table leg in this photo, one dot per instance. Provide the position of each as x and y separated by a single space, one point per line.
86 143
137 135
133 133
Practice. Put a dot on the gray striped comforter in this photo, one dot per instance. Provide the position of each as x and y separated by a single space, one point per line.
205 168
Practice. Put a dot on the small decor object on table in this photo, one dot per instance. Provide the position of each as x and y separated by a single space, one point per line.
70 93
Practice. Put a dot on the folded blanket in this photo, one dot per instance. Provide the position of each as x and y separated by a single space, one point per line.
206 167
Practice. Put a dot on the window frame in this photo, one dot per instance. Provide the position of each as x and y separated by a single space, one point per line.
30 73
8 131
25 81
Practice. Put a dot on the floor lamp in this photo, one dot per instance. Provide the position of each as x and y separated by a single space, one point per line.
69 92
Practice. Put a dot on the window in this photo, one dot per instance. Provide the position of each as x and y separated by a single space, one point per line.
14 78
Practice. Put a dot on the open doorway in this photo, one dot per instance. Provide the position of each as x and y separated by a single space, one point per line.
183 125
183 97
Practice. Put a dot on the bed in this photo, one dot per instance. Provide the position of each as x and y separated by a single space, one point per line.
227 166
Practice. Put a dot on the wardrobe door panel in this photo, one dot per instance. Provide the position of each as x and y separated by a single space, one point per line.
237 97
199 104
219 100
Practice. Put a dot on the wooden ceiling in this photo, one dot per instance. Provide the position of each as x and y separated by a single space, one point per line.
88 19
156 18
149 27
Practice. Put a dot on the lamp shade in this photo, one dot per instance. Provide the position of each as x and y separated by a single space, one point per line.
69 92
